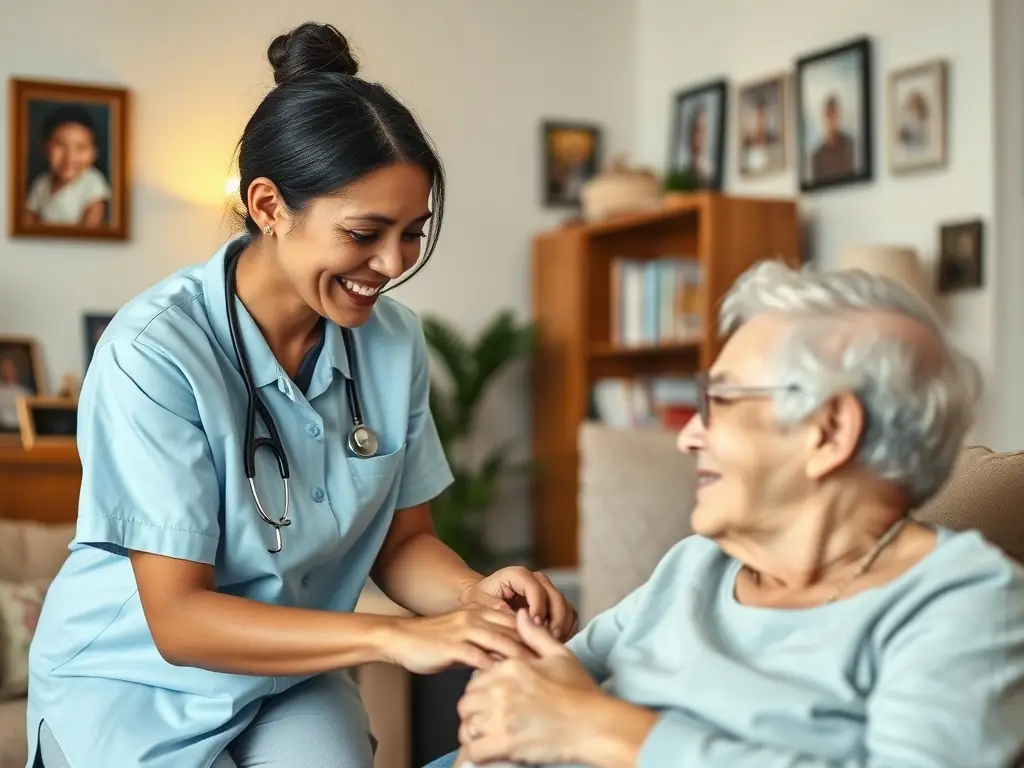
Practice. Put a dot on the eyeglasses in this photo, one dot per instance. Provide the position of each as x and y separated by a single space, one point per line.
708 390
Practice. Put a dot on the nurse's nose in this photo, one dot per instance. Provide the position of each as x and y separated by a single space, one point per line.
389 261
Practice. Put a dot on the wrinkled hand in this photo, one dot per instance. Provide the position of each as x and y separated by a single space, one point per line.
473 636
513 588
527 711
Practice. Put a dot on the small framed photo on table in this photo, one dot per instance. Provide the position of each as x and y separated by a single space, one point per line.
918 116
69 161
21 375
834 116
48 421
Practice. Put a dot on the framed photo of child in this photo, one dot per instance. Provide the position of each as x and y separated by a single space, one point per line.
69 160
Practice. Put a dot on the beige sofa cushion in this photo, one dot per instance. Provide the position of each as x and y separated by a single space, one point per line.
636 494
13 746
32 550
985 492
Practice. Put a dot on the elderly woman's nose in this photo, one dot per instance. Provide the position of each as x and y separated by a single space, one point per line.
691 436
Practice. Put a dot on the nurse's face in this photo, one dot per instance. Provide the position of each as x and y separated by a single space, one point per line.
345 249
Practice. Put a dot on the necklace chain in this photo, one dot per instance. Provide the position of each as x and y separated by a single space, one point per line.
869 559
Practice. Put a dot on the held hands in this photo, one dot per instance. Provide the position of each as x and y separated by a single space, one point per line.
474 636
513 588
528 711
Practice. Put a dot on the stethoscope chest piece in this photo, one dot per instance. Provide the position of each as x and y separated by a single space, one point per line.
362 441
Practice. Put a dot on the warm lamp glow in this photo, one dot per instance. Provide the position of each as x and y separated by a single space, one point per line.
231 185
894 262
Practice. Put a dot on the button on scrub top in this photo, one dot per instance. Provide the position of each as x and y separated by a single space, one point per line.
161 426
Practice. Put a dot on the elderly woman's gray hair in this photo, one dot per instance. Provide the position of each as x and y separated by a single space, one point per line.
919 400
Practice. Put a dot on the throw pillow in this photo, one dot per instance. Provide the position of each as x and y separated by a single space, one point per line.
20 605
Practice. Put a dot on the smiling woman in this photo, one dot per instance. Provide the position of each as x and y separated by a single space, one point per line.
239 632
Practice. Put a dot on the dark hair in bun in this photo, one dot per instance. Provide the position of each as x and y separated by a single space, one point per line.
309 49
323 128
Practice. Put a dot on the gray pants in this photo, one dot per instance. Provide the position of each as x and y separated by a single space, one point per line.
301 728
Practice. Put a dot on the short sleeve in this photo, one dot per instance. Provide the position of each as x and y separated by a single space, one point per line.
37 194
148 478
425 472
94 187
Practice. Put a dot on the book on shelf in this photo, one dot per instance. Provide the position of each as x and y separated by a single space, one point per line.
644 402
655 301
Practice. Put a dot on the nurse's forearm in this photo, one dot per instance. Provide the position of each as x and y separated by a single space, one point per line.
233 634
417 570
424 576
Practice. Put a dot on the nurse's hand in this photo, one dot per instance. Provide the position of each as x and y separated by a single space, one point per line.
474 636
513 588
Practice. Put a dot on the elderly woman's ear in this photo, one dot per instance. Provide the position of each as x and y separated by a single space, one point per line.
835 434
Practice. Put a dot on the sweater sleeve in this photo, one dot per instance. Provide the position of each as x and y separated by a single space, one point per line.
950 694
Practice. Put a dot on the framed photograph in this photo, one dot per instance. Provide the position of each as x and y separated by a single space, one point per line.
21 375
47 421
697 151
68 161
572 156
960 256
93 326
918 117
763 126
834 116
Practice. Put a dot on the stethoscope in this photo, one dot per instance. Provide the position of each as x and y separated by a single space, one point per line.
362 440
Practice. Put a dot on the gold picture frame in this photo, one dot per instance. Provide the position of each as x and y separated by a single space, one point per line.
21 375
48 421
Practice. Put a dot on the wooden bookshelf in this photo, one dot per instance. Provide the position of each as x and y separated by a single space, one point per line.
573 303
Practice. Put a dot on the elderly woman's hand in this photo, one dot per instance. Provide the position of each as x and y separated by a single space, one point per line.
528 711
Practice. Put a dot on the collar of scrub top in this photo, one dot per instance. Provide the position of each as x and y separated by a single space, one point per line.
263 366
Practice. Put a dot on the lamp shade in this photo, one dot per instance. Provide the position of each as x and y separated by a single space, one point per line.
895 262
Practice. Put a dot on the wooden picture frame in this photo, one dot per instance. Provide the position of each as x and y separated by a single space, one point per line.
571 157
76 137
961 256
21 375
918 121
699 117
48 421
763 126
835 128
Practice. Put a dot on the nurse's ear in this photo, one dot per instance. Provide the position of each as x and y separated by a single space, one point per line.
266 206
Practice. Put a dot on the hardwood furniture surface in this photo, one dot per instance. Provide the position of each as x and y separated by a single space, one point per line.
572 303
40 484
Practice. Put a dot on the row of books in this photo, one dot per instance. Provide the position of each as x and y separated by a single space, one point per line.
655 301
656 401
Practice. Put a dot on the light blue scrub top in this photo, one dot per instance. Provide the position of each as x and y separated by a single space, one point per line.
161 426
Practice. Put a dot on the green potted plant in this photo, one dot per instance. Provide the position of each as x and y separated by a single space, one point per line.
468 368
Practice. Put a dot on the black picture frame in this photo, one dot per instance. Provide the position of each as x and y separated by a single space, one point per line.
686 174
93 325
582 137
848 159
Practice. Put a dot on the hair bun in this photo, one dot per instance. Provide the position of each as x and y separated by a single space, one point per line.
310 48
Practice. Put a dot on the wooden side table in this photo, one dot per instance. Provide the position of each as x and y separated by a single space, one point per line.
41 484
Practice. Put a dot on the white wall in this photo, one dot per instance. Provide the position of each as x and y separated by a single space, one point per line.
481 75
681 43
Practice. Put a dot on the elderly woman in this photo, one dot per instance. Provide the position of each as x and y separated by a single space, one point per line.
810 621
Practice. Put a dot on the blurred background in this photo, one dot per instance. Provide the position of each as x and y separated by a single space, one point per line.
612 166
